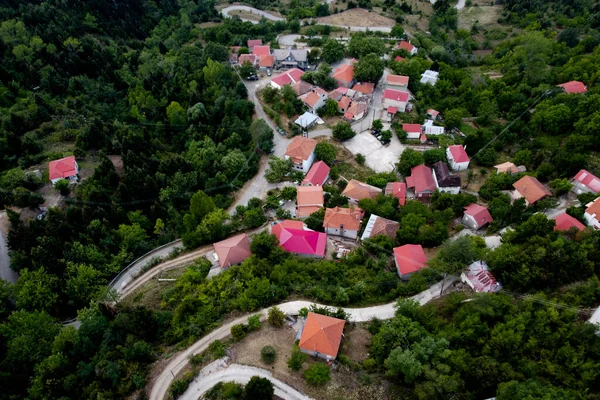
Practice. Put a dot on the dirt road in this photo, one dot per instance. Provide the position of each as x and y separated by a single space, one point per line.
159 387
6 272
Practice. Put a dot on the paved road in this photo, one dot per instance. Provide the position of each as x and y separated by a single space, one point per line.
160 385
220 371
252 10
459 6
6 272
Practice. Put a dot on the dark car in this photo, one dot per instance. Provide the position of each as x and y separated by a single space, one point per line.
252 78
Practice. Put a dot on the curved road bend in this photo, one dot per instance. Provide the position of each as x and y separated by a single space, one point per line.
161 383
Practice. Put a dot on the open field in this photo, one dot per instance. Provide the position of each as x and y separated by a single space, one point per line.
485 16
357 17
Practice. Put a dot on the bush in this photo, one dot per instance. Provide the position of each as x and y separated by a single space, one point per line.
343 131
217 349
259 388
238 332
254 322
268 354
360 159
296 359
62 186
317 374
276 317
179 386
196 359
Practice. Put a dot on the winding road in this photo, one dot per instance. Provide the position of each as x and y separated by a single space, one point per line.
160 385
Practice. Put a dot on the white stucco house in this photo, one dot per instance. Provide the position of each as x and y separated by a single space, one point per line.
302 153
457 157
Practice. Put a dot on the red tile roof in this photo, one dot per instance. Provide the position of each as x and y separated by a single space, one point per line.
358 190
398 190
480 214
397 95
589 180
565 222
317 174
411 128
288 77
295 239
573 87
357 108
348 115
266 61
458 153
63 168
251 58
261 50
345 73
593 208
392 110
380 226
322 334
349 218
398 58
309 199
410 258
254 42
300 148
311 99
344 103
342 90
532 189
398 80
433 113
233 250
421 179
364 88
406 46
301 87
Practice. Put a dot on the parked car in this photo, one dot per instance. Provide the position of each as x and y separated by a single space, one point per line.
268 72
252 78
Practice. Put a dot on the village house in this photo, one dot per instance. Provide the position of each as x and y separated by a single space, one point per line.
395 98
433 114
414 131
301 151
314 99
457 157
399 59
476 216
290 58
479 278
335 95
430 77
529 188
356 111
295 238
343 104
380 226
409 259
365 88
261 51
421 182
444 180
306 120
309 199
321 336
356 191
265 62
344 222
404 45
318 174
301 87
564 222
430 129
253 42
397 82
398 190
65 168
248 58
586 182
509 168
344 75
287 78
232 251
573 87
592 213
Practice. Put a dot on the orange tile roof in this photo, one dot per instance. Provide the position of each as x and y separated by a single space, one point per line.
233 250
397 80
358 190
345 73
266 61
357 108
593 208
309 199
261 50
311 99
348 217
251 58
302 87
506 167
530 188
364 88
300 148
322 334
344 103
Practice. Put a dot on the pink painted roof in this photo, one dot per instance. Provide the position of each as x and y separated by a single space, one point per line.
565 222
261 50
458 153
397 189
432 112
342 90
299 240
589 180
254 42
573 87
395 95
410 258
411 128
63 168
288 77
421 178
406 46
392 110
317 174
480 214
233 250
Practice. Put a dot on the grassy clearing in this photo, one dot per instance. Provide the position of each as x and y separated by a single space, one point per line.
346 164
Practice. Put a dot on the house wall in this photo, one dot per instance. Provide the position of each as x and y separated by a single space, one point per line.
317 354
516 195
394 103
342 232
413 135
592 220
306 164
465 279
402 88
451 190
469 221
580 188
454 165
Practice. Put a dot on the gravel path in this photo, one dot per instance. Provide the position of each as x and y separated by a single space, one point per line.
160 385
252 10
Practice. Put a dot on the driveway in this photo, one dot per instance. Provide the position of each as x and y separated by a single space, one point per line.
219 371
160 385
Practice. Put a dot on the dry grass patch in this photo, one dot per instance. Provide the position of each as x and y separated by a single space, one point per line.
357 17
485 16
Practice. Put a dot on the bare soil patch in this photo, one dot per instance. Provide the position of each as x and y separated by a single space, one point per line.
357 17
357 340
485 16
245 15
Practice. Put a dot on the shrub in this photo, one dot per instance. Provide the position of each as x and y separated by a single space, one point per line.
238 332
253 322
343 131
62 186
179 386
317 374
268 354
196 359
360 159
296 359
217 349
259 388
276 317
